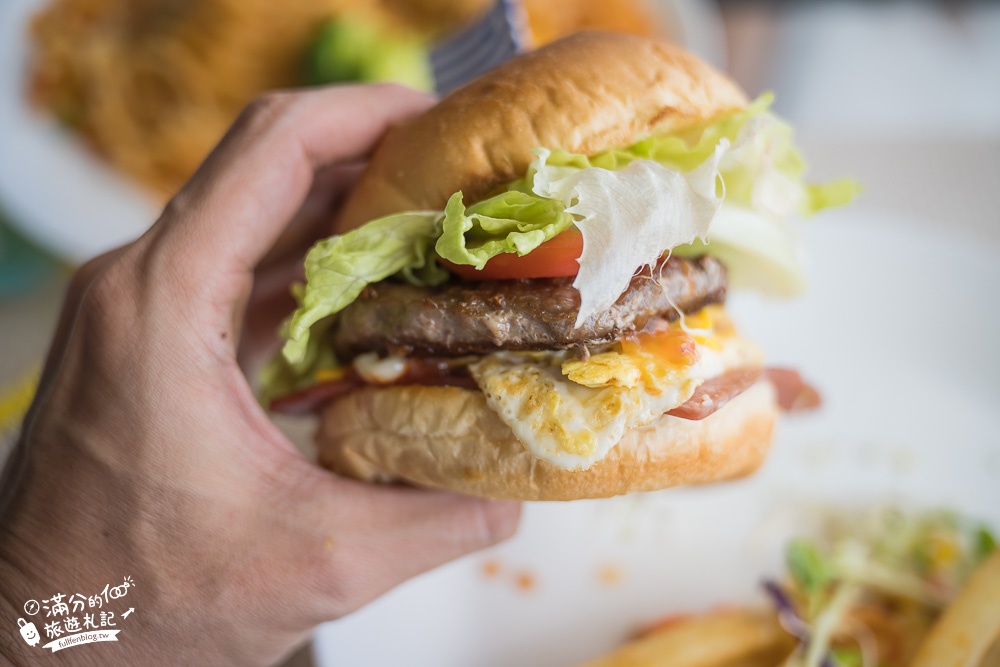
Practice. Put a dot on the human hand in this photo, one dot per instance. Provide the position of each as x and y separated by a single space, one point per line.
147 455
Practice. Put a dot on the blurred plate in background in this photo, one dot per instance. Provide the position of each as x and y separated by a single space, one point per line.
73 204
53 189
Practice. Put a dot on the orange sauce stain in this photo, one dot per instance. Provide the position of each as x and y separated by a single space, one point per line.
610 575
490 569
525 581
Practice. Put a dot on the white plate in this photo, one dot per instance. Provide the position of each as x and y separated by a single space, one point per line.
54 190
75 205
899 331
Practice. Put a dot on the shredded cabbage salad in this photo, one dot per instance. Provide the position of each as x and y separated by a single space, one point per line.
915 560
726 189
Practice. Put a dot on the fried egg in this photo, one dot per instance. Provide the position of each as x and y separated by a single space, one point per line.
571 412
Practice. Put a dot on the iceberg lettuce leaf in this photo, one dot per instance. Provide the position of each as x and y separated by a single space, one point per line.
759 253
340 267
763 169
629 217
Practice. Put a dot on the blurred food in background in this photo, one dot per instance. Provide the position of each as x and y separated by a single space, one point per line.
550 20
22 268
355 48
151 85
881 589
436 16
22 265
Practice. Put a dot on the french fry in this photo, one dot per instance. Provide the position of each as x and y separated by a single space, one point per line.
731 638
966 634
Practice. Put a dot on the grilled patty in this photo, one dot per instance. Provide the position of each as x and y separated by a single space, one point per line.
460 318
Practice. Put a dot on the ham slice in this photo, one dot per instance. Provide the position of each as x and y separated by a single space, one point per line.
714 393
794 393
422 372
311 399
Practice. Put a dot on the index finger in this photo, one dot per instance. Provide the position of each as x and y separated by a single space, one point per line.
238 202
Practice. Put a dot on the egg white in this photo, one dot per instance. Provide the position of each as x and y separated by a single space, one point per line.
573 426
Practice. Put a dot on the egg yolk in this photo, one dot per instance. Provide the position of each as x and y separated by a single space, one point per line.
708 326
651 357
673 348
655 357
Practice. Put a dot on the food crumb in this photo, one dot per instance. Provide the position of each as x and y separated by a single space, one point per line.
525 581
610 575
490 568
522 579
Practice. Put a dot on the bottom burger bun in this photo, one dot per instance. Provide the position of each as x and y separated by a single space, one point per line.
448 438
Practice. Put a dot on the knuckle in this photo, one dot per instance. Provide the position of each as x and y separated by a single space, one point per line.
105 295
176 208
84 275
89 269
268 110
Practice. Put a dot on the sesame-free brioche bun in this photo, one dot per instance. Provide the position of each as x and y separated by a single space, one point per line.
449 438
584 94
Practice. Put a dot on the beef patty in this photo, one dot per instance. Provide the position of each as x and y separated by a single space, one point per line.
459 317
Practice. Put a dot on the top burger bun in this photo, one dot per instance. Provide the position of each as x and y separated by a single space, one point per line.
585 94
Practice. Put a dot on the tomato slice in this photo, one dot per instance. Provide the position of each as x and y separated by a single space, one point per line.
556 258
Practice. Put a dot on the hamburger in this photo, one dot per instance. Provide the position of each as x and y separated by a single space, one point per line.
525 298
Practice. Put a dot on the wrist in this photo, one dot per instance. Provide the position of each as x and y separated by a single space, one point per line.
63 564
12 587
39 558
77 529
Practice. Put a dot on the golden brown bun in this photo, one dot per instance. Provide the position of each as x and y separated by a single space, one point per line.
585 94
447 437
